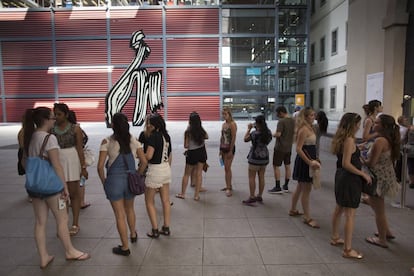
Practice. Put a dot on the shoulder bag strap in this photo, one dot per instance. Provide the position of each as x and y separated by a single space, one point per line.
42 149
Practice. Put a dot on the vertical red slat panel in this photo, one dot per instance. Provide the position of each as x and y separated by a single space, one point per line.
121 53
126 22
193 79
194 21
207 106
87 52
193 50
16 108
80 23
18 82
83 83
15 24
35 53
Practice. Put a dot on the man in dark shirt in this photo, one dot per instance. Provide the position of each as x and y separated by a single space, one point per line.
283 148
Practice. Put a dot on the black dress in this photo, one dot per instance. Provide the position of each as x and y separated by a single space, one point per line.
348 186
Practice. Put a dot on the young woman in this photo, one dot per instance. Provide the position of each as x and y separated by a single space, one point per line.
37 123
305 158
196 154
120 150
348 182
384 152
158 177
258 157
228 147
72 158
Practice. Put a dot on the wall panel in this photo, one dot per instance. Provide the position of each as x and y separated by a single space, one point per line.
179 108
193 79
192 21
17 24
35 53
121 53
193 50
81 52
80 23
126 22
20 82
16 108
83 83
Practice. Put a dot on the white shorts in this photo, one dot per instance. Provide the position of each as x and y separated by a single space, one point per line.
158 175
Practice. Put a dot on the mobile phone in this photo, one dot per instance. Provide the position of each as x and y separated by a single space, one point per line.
61 204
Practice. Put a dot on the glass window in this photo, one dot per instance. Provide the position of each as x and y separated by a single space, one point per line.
322 49
292 50
333 98
292 21
248 107
248 78
334 42
321 94
248 21
291 79
312 53
248 50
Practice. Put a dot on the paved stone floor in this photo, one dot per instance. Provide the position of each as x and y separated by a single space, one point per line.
215 236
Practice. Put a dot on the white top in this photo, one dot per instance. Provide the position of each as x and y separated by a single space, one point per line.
37 141
112 147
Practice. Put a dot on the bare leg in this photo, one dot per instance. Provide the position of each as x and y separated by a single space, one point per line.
75 199
130 216
377 204
276 172
166 207
306 189
149 203
198 171
184 182
228 160
336 219
349 227
296 195
261 174
287 171
41 210
252 183
120 216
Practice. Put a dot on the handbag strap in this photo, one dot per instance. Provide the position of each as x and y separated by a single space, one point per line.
42 149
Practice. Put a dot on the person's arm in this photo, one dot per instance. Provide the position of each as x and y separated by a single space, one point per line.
143 162
186 140
348 149
366 135
247 136
101 162
79 149
53 155
233 128
302 134
279 130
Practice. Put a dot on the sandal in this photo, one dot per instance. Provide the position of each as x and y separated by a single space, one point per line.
154 234
196 198
295 213
203 190
82 257
134 239
180 196
312 223
388 236
165 230
228 193
74 230
337 241
352 254
225 188
375 241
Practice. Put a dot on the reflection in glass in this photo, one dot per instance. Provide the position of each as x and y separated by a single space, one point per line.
292 50
291 79
248 21
248 107
249 78
292 21
248 50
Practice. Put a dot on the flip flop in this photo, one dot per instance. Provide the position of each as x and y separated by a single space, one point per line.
74 230
311 223
84 256
86 206
337 241
295 213
375 241
181 196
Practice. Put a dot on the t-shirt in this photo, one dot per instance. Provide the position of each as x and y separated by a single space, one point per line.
37 141
155 140
112 147
286 127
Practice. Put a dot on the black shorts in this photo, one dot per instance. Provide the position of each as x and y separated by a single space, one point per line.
195 156
281 157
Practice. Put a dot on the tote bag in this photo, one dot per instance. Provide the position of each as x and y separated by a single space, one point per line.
41 177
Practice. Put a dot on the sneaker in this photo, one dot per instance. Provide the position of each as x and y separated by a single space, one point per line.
259 199
285 188
275 190
249 200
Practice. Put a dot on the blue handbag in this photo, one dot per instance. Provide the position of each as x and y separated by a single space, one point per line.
41 177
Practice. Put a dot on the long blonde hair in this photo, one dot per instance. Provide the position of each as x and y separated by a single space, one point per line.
228 110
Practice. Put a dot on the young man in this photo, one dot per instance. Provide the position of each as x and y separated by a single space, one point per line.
283 148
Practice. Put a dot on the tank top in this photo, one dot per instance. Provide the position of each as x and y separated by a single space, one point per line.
67 137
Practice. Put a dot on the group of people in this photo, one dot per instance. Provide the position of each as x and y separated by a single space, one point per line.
119 151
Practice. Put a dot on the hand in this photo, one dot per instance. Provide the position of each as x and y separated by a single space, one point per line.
65 193
315 165
367 178
84 173
249 126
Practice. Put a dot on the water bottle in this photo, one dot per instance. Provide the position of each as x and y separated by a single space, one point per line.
82 181
221 161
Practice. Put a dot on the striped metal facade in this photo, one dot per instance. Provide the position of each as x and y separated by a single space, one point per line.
184 45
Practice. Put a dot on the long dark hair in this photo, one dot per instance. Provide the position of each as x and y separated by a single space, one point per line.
391 131
157 121
195 129
65 109
261 125
346 128
34 118
322 121
121 134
